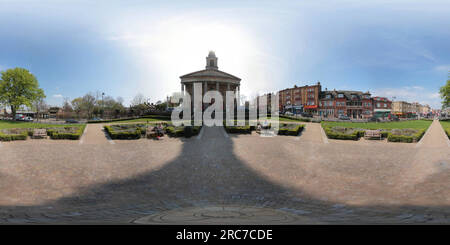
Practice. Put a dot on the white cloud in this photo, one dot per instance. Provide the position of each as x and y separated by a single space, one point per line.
57 96
445 68
411 94
174 46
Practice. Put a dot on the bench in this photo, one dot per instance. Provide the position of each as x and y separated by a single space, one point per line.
150 133
39 133
372 134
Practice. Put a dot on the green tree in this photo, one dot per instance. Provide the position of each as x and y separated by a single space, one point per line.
18 87
445 94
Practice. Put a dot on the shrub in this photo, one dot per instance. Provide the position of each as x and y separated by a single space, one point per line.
406 136
238 129
354 135
125 134
68 133
11 137
294 130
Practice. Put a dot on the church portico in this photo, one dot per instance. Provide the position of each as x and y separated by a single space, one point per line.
210 79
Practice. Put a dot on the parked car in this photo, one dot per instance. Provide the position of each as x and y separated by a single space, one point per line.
96 119
28 119
304 114
288 113
19 117
71 121
374 119
344 117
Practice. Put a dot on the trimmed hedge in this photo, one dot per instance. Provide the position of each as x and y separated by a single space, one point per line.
11 137
340 136
406 138
58 135
136 134
291 131
161 117
238 129
180 131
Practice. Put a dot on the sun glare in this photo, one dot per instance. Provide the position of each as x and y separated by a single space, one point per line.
177 46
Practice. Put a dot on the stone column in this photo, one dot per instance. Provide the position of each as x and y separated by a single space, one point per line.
238 91
217 86
182 88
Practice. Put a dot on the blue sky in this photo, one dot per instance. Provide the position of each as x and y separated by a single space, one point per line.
122 48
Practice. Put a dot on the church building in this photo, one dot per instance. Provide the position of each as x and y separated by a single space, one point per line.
211 78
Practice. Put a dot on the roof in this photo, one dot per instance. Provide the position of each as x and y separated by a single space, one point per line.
210 73
347 93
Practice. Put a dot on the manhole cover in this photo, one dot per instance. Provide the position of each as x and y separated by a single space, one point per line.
223 215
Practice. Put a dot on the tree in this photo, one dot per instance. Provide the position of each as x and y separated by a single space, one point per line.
40 106
445 94
88 104
77 105
19 87
138 100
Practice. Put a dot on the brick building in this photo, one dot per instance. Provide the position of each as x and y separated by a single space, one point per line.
297 99
382 106
354 104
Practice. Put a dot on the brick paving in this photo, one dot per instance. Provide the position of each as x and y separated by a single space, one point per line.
279 179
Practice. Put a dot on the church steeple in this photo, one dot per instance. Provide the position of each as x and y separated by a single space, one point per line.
211 61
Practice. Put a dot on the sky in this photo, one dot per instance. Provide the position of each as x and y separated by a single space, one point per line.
396 49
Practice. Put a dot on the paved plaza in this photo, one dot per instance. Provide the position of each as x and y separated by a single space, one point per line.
220 178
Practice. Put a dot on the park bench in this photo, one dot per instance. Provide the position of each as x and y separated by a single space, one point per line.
39 133
150 132
372 134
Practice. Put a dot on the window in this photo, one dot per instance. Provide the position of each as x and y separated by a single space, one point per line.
328 96
340 95
378 105
211 63
330 103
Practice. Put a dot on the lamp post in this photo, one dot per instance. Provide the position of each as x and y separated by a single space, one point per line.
103 104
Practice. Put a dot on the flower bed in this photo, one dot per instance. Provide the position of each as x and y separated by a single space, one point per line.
14 134
405 135
239 129
125 131
180 131
290 129
68 133
342 133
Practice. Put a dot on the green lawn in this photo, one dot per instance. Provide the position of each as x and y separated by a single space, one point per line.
446 127
142 120
415 124
17 124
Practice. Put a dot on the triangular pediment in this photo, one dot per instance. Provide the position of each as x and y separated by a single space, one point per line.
210 73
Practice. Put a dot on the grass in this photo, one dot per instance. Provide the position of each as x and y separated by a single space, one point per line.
17 124
142 120
415 124
446 127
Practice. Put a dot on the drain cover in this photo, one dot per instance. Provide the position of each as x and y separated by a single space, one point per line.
223 215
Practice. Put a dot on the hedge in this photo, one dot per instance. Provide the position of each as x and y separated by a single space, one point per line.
405 138
340 136
161 117
180 131
11 137
291 131
238 129
136 134
58 135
